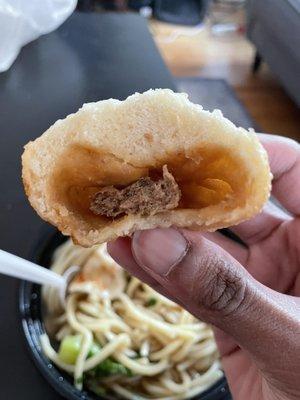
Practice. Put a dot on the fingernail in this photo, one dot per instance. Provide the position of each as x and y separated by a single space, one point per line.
159 250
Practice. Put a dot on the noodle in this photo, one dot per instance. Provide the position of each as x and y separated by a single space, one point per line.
147 347
87 339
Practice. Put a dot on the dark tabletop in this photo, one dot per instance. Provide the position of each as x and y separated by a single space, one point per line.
90 57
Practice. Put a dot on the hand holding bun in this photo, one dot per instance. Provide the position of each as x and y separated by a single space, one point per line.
153 160
250 293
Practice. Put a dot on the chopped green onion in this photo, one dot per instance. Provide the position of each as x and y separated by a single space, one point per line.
109 367
95 348
69 348
151 302
98 390
79 380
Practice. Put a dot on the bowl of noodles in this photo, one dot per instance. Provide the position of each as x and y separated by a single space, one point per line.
114 337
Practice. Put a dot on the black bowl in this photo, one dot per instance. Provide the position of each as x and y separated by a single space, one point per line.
33 326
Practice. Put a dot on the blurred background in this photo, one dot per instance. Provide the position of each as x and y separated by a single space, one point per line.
240 56
254 45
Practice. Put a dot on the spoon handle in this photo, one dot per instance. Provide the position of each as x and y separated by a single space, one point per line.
19 268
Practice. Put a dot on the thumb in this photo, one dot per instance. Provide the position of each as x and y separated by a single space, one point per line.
197 272
214 287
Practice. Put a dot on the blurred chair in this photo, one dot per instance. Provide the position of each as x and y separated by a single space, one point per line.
273 26
187 12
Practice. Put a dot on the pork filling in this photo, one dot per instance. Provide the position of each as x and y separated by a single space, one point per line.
145 197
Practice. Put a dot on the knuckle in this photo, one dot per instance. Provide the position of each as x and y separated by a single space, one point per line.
222 287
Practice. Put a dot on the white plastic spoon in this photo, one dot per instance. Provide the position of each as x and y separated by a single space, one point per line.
23 269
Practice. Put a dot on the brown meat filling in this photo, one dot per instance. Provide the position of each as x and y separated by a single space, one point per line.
144 197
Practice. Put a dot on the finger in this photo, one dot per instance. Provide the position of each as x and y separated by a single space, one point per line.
260 227
284 159
226 344
217 289
120 251
238 251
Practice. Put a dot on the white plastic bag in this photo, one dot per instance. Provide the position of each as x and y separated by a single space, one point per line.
22 21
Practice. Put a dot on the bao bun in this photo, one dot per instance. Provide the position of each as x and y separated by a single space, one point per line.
222 170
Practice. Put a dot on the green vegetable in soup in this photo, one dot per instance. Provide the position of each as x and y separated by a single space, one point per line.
79 381
98 390
109 367
95 348
70 348
151 302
